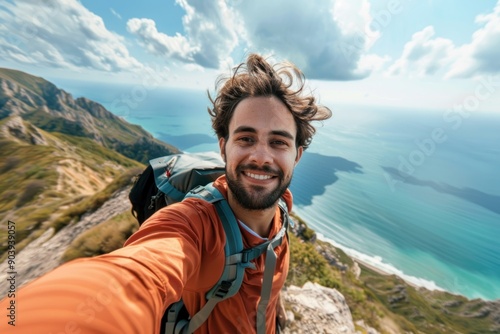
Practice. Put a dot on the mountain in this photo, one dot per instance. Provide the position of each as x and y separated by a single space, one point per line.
57 151
66 167
49 108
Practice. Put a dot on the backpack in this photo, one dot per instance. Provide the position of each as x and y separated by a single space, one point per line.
172 178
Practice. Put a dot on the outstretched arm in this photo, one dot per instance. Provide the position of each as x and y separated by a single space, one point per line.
125 291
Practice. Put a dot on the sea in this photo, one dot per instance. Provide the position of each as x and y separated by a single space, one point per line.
415 193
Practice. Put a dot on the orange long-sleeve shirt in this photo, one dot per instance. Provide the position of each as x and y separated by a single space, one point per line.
178 252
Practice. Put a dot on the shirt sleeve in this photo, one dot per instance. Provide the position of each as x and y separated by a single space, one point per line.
126 291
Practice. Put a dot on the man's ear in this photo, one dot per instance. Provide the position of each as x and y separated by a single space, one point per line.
300 150
222 148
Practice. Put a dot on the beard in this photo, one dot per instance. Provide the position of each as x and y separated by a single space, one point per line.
257 197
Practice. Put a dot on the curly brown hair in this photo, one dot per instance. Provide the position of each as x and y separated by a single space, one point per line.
257 78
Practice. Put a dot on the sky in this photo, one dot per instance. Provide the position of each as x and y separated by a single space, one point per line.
407 54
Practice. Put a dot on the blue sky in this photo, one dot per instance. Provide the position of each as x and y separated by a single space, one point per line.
434 55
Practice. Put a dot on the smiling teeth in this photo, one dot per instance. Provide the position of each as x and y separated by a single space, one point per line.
259 176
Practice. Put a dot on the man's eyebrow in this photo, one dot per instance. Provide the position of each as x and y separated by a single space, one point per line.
244 128
282 133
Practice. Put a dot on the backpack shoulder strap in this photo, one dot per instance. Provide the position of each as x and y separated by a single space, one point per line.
234 243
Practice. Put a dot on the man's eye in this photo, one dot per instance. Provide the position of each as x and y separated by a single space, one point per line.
246 139
279 142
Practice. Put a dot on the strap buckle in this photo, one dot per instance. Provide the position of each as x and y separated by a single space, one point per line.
223 289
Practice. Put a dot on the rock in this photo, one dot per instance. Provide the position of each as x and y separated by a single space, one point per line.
317 310
356 270
16 128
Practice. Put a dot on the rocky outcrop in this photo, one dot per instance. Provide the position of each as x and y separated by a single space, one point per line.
17 130
316 309
94 108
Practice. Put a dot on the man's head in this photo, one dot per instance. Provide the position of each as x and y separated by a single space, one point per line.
259 78
263 126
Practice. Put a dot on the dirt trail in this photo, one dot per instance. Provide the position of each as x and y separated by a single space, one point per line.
76 177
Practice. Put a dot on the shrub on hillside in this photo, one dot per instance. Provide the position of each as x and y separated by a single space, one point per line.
31 190
9 163
307 265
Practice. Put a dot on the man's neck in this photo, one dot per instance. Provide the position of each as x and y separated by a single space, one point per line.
260 221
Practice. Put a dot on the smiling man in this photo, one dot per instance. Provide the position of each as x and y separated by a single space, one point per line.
263 121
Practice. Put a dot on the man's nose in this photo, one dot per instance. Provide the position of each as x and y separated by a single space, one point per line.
261 154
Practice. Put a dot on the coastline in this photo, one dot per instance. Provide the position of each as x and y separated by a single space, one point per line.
375 264
382 272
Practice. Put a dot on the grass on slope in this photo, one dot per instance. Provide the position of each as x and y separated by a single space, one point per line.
103 238
432 312
25 173
95 154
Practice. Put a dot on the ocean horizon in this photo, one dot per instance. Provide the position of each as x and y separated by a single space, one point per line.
412 192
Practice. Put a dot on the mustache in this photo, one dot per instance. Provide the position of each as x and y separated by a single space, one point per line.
255 168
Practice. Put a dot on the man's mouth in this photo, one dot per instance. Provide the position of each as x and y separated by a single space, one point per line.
258 176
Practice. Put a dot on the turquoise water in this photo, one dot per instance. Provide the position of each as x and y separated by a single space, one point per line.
437 227
414 193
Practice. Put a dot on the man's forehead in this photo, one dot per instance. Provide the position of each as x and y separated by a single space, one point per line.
263 114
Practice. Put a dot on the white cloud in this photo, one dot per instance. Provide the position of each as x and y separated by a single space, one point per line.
211 34
353 17
61 34
482 55
326 39
424 55
161 44
427 55
372 62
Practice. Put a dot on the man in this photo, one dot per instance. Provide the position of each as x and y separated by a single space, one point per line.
263 126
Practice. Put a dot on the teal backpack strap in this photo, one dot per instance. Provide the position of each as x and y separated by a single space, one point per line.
270 266
234 269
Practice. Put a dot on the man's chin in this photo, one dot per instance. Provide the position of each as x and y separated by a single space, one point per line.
260 200
254 196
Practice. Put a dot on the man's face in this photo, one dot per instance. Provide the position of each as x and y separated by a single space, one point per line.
260 152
